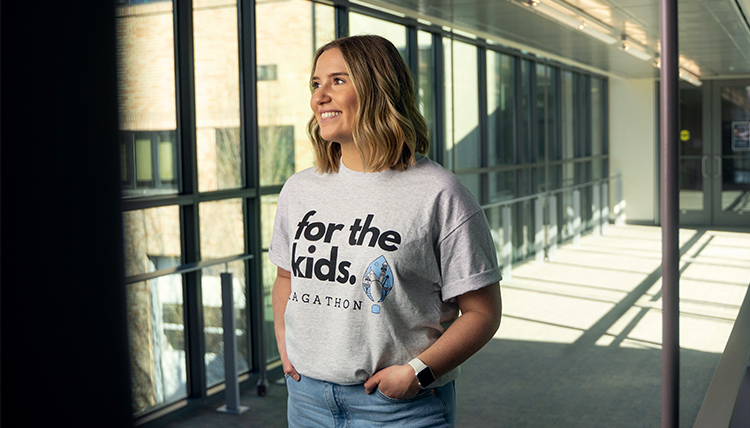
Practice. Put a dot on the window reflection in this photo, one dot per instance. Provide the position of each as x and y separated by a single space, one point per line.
465 147
157 340
146 98
500 108
426 81
217 94
222 229
362 24
149 234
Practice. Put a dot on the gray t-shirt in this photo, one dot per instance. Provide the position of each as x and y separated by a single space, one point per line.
377 260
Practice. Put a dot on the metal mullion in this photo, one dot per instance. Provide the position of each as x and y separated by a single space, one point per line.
251 206
271 190
547 85
227 193
130 156
412 57
341 18
155 139
558 119
483 120
438 98
517 147
155 201
516 110
190 229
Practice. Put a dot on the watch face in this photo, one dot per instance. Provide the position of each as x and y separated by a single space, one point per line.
425 377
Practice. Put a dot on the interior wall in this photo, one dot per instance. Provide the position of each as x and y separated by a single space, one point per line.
632 147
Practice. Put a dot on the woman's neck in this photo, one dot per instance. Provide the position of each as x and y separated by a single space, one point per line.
350 157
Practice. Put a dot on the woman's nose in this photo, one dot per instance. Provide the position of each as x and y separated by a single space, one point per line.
320 95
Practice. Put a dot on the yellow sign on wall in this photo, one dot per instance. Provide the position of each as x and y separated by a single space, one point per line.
684 135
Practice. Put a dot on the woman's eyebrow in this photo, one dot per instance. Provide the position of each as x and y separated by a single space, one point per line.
335 74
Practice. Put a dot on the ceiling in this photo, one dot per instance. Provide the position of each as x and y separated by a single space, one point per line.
714 35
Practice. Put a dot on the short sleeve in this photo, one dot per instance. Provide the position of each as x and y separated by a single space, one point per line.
467 256
279 251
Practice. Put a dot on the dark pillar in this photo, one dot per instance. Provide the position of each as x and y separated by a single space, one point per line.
64 339
670 365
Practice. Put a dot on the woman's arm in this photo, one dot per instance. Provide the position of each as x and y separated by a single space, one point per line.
282 288
481 311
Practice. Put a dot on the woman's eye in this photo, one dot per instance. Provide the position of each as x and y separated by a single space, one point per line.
338 81
315 85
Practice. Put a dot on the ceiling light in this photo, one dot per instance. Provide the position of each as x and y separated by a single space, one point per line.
567 17
629 47
690 77
558 16
599 35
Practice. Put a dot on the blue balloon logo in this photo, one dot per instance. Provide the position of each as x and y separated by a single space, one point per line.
377 282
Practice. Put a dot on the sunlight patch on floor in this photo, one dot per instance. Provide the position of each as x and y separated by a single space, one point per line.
559 301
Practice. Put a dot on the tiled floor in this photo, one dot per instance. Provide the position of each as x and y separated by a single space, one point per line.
579 345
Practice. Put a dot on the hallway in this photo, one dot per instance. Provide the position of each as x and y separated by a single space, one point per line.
579 341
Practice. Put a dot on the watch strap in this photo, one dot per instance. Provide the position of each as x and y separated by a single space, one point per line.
423 372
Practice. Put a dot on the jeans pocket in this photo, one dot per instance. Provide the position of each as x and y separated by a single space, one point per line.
421 394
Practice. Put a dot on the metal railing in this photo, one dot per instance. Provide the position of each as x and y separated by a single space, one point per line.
724 396
185 268
546 233
231 378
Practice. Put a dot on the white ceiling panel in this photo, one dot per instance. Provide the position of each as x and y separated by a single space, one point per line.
714 35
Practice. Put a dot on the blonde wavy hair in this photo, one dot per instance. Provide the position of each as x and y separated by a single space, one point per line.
388 130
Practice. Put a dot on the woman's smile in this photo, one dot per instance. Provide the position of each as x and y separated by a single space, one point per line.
334 99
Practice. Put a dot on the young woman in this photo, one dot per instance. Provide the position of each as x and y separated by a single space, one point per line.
378 249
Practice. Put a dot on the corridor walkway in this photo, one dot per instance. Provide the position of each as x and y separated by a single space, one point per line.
579 345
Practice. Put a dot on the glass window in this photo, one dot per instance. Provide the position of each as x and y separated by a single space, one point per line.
567 115
472 182
542 84
222 229
500 109
363 24
284 103
148 163
426 82
553 115
276 154
146 98
156 336
149 233
448 107
464 145
324 28
502 186
217 95
597 125
527 106
268 214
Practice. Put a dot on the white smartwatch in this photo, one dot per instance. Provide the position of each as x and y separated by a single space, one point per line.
423 372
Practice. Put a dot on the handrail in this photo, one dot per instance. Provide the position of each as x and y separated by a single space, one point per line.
186 268
719 404
549 192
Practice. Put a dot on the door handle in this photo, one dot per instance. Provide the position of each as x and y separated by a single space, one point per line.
703 166
718 166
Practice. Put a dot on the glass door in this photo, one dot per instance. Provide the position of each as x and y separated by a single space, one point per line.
695 156
730 157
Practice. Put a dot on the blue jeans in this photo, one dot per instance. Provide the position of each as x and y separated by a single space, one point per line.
314 403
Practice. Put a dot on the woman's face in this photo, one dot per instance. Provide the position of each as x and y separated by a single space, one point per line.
333 100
